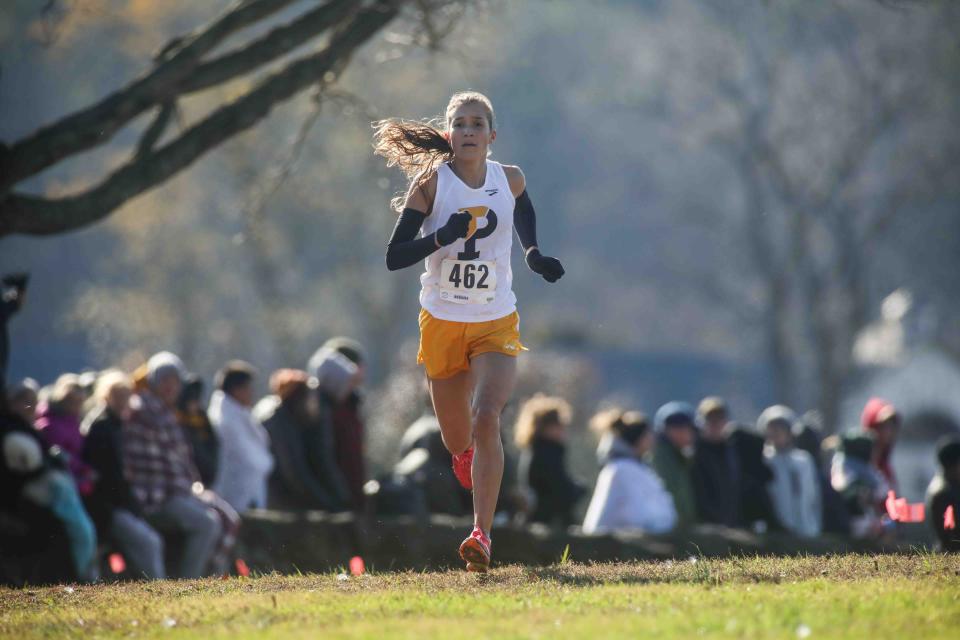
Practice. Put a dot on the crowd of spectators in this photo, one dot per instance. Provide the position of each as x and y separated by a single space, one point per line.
142 466
697 466
137 466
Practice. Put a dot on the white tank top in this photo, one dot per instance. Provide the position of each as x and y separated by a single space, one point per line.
470 280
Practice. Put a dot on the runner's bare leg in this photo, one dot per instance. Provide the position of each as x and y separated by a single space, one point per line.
451 403
495 375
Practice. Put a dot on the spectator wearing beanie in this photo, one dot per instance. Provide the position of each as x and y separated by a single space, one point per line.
881 419
629 495
541 436
115 511
58 422
196 427
245 460
339 369
943 494
794 491
305 476
673 457
159 465
716 467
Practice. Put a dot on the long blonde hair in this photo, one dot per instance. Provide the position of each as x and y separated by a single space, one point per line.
539 412
418 148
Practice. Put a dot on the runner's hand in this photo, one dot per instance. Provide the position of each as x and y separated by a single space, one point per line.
457 227
549 268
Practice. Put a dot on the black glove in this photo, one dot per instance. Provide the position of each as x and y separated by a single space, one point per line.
549 268
457 227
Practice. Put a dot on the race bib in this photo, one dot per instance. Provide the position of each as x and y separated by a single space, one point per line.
468 281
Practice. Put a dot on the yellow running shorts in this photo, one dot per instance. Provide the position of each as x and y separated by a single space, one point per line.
447 347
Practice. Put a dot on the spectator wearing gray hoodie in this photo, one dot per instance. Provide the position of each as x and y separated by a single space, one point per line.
339 371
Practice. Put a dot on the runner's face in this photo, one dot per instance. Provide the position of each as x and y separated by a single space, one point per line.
470 132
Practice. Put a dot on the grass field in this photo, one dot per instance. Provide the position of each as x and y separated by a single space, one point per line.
906 596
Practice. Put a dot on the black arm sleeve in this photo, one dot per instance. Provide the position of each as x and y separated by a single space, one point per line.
525 221
404 248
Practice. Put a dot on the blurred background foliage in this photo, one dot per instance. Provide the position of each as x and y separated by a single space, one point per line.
735 181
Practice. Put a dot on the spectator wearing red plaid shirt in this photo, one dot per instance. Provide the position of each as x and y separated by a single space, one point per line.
161 471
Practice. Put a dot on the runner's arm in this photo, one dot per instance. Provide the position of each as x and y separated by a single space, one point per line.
404 248
525 222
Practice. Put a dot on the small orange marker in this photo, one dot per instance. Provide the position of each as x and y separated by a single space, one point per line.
242 568
117 563
949 521
356 566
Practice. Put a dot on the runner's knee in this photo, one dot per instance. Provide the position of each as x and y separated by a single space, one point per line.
486 420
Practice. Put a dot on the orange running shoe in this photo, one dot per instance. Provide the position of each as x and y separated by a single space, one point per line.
463 467
475 551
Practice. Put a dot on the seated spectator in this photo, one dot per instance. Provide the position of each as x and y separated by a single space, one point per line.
245 459
45 533
305 475
112 505
794 491
541 436
673 457
425 466
330 365
629 495
881 419
757 513
58 422
943 494
716 469
22 399
862 486
159 466
196 426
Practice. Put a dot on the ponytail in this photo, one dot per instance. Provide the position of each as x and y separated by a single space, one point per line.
417 148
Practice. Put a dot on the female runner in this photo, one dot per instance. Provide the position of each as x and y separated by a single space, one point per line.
464 207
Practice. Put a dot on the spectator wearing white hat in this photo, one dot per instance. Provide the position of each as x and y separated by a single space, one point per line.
794 491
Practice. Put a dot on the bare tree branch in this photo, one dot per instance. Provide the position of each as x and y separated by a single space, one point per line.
155 131
41 216
96 124
274 44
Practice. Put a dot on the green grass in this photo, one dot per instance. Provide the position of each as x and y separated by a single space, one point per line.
914 596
